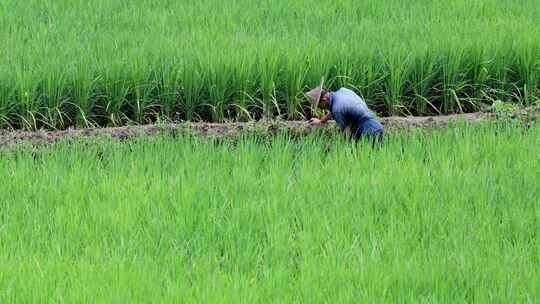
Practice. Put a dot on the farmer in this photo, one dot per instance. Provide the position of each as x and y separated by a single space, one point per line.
348 110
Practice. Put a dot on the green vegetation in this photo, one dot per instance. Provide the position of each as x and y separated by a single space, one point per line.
112 62
441 216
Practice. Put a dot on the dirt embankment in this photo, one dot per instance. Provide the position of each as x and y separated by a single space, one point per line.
8 138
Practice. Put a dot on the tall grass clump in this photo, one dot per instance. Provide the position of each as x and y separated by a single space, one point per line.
437 216
112 62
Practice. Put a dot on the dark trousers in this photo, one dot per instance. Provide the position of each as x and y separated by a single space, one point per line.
376 138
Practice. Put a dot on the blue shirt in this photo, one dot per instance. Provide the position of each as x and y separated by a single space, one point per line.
350 110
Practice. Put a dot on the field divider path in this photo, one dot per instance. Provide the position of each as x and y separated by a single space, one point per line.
8 138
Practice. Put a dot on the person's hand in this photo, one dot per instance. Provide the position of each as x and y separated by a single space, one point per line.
315 122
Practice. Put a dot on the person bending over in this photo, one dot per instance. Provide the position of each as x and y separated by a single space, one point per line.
348 110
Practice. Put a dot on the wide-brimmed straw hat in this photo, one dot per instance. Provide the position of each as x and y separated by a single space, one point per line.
315 94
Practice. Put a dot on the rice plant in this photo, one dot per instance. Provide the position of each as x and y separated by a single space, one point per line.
440 216
112 62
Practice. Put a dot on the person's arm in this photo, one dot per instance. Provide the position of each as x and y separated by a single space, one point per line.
325 119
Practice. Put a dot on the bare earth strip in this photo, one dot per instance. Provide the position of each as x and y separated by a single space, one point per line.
8 138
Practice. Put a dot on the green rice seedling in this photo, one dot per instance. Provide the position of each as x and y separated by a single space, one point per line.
192 85
433 215
219 78
527 67
8 105
54 98
453 70
243 104
422 80
115 62
83 89
168 80
143 93
397 67
294 76
27 102
268 84
114 91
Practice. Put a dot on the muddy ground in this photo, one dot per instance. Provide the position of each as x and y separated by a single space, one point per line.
8 138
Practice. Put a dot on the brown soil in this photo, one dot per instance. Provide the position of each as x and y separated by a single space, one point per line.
8 138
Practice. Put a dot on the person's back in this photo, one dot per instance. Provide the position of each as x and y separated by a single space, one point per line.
350 110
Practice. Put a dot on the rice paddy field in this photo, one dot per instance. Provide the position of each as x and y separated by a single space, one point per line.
448 216
446 213
114 62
